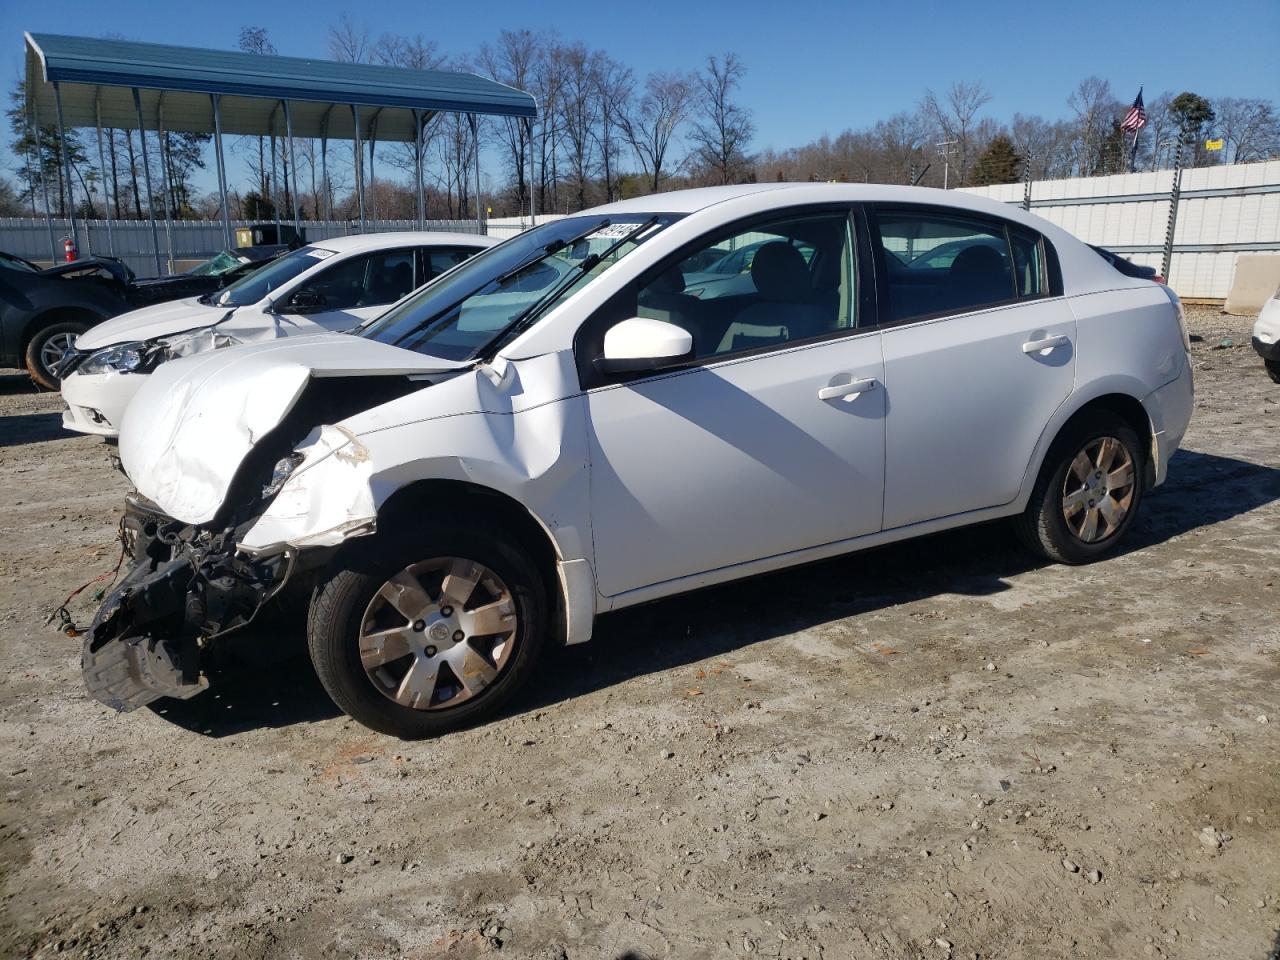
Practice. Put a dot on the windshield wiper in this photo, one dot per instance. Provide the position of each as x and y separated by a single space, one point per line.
588 264
554 246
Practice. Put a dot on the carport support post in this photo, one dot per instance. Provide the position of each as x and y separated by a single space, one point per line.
146 178
275 176
44 185
533 207
293 166
102 166
355 121
475 146
164 177
324 164
417 168
214 99
66 163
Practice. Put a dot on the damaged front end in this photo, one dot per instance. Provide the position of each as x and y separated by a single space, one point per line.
186 585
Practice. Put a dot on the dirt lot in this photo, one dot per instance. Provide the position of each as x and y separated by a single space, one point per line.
938 749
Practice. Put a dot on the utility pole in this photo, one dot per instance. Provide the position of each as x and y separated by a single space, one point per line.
946 146
1166 264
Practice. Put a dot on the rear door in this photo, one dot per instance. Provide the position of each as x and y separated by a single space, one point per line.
979 353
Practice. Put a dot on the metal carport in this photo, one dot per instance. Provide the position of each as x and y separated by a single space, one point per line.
85 82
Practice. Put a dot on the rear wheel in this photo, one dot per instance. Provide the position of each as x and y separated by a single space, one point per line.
419 638
1088 491
47 347
1273 368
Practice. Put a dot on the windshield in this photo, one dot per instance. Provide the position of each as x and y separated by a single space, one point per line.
253 287
214 266
476 303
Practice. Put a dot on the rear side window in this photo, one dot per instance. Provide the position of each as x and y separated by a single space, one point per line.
1029 272
937 263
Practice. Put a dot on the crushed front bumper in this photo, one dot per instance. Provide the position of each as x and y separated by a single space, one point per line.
185 587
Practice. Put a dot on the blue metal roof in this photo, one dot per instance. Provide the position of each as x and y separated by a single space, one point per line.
98 74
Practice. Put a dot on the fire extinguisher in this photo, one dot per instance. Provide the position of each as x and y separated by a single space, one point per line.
69 250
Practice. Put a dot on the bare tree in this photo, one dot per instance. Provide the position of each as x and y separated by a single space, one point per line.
1250 128
723 129
349 41
255 40
579 109
955 115
652 125
1096 109
512 61
614 85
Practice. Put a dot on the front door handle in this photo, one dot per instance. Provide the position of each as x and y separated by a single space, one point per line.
1048 343
850 391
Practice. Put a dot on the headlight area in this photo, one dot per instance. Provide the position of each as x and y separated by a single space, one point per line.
143 356
185 587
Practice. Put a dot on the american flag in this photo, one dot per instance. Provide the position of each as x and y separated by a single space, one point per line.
1136 118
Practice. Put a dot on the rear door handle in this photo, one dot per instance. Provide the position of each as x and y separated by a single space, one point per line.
1048 343
850 391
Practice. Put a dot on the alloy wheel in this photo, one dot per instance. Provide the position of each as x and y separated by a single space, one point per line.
1097 492
54 349
438 633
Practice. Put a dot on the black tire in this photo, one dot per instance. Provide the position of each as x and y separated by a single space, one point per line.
346 589
1043 526
35 355
1273 368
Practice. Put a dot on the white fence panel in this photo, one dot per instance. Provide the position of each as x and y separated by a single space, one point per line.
1223 211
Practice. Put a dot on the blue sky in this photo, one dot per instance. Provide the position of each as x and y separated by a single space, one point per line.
814 66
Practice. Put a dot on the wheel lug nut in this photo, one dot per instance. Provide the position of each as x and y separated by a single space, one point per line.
446 611
430 651
419 625
458 636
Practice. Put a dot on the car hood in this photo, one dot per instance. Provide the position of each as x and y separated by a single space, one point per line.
193 422
160 320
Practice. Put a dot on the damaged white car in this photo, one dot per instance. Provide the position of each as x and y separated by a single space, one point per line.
331 285
569 424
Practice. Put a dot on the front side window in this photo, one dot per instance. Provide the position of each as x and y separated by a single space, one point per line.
938 263
493 296
368 280
253 287
786 279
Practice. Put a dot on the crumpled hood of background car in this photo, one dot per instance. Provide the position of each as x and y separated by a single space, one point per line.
194 420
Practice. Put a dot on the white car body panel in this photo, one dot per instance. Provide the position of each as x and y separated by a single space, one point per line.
699 476
96 402
969 406
735 461
196 418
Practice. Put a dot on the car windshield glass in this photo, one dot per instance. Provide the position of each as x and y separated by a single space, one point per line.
477 303
13 263
224 261
255 286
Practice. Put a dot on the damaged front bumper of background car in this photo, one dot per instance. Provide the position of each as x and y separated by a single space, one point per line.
185 586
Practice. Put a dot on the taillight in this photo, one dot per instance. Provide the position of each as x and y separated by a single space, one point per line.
1159 279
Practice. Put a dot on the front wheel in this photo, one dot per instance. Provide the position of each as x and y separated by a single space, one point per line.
1088 491
418 639
48 346
1273 368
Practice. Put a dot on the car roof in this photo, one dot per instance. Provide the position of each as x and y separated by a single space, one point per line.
384 241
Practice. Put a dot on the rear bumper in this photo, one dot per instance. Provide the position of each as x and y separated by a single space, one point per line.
1170 410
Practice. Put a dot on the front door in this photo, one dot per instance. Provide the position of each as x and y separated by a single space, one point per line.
773 441
353 290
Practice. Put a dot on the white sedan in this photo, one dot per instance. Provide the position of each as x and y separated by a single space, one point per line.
329 285
563 426
1266 336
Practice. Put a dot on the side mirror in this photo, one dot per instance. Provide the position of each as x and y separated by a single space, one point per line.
641 344
306 301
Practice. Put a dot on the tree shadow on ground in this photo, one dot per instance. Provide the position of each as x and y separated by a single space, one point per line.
264 678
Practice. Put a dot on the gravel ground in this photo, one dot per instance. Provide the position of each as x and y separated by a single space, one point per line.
932 750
